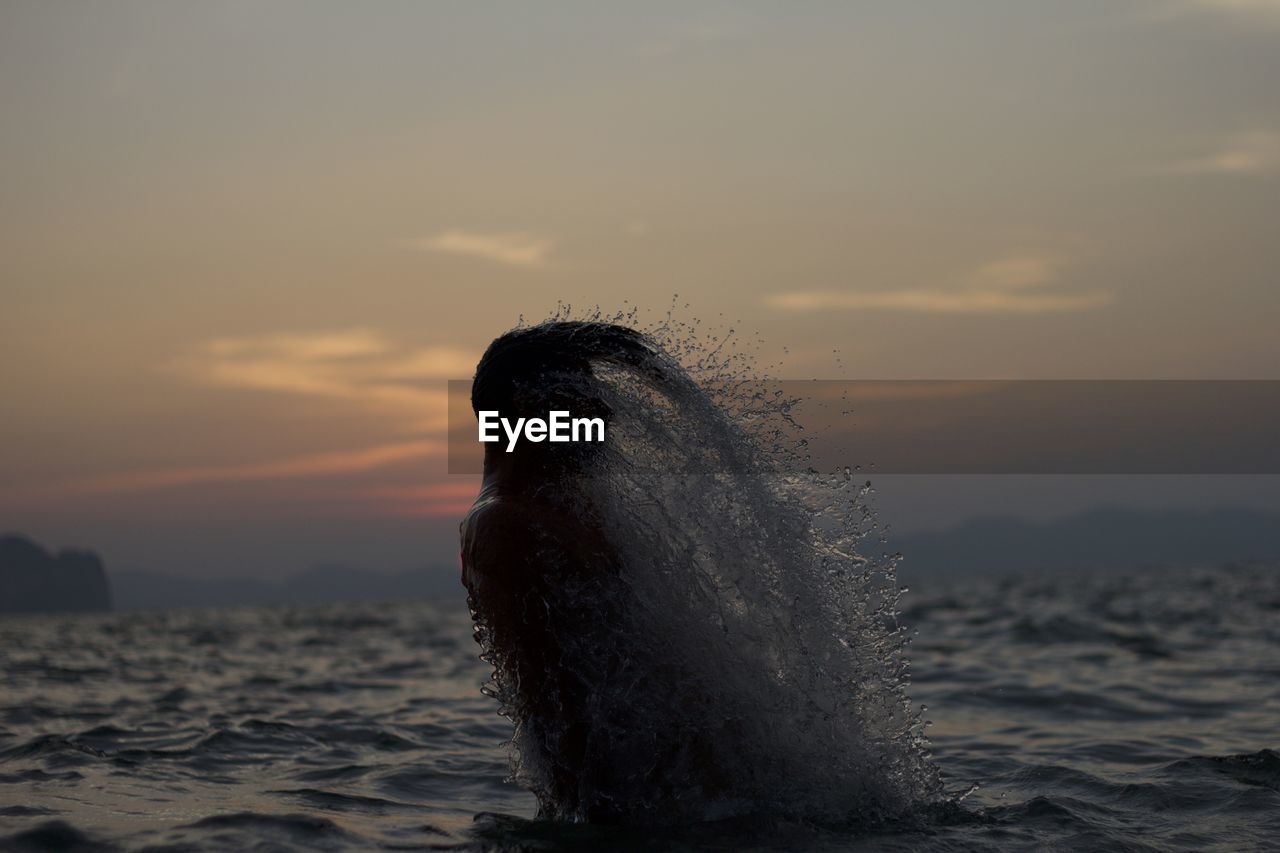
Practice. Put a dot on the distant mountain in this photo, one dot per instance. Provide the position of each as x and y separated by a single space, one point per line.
33 580
1102 538
136 590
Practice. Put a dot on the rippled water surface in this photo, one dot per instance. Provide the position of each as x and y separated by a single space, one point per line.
1133 711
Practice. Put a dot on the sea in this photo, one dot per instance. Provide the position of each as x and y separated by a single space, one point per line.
1126 710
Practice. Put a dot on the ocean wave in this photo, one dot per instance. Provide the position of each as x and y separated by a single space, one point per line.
1070 750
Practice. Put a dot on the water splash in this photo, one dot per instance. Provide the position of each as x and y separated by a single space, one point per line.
740 655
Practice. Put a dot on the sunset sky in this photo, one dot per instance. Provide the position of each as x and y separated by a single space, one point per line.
243 245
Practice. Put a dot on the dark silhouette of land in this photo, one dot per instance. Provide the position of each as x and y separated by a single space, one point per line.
1106 538
33 580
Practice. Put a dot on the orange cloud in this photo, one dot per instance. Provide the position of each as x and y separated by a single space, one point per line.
1243 154
354 365
312 465
1260 9
515 249
1003 286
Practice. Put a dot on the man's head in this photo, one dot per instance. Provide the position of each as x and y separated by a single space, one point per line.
528 369
530 372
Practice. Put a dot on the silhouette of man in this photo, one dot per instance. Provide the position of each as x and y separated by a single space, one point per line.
536 564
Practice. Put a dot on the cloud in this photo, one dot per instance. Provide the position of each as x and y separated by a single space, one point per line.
358 366
724 27
942 302
1270 8
1243 154
1004 286
341 344
1015 272
516 248
312 465
1235 13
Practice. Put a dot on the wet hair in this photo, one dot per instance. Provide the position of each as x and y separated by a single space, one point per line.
529 370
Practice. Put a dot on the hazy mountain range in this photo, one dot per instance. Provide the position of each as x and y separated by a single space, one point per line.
34 580
1101 538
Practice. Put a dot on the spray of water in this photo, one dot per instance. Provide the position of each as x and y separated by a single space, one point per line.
739 655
